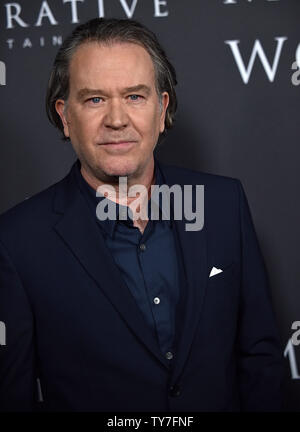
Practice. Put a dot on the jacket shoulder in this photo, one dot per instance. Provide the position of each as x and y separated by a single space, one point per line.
190 176
29 214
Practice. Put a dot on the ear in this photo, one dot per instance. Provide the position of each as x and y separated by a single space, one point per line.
60 107
165 102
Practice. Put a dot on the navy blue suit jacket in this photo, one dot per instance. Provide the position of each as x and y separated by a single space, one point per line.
72 322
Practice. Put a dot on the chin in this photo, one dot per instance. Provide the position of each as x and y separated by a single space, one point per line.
120 170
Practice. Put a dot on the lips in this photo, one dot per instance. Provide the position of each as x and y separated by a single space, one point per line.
121 142
118 146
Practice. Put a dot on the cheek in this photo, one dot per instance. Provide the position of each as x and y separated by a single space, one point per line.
147 124
82 128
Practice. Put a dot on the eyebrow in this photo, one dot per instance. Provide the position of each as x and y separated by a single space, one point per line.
84 92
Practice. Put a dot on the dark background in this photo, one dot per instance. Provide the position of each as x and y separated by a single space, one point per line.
223 125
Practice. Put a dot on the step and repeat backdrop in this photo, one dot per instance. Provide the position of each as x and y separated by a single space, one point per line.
237 63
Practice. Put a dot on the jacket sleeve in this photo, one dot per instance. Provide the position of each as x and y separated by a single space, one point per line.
18 388
260 355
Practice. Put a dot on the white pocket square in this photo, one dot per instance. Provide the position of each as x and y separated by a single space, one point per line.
215 271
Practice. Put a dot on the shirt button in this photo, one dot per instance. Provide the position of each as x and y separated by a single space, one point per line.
142 247
156 300
169 355
175 391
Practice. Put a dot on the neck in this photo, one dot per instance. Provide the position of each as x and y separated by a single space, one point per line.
145 179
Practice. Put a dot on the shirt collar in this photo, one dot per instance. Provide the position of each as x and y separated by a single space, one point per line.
110 225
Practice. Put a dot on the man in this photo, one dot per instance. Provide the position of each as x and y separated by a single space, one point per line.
135 314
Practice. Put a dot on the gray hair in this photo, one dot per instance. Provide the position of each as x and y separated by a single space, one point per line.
107 31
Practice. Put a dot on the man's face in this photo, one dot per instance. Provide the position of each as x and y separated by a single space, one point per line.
113 115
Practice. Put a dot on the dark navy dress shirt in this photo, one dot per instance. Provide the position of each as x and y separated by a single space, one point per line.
147 262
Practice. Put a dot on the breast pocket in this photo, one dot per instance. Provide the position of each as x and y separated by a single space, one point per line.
224 277
222 295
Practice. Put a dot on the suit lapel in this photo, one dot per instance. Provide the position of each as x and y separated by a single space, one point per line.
80 233
192 256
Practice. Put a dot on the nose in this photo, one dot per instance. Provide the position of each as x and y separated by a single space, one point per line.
116 116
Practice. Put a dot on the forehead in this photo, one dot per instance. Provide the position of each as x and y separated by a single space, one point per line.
114 65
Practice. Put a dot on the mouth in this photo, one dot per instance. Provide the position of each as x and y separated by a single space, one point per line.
119 144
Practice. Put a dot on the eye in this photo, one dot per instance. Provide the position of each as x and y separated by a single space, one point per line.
95 100
135 97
